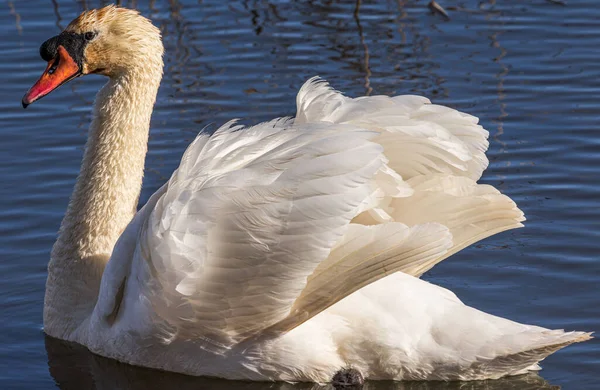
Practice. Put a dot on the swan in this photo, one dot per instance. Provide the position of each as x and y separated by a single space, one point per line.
286 251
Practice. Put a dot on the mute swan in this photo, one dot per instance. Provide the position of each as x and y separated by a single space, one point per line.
285 251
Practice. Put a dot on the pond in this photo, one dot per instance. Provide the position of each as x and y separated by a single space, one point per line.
528 69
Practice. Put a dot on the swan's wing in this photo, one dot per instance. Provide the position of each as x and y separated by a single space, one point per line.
261 229
253 233
245 220
440 154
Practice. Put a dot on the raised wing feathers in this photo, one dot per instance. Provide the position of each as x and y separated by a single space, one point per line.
231 246
262 228
419 137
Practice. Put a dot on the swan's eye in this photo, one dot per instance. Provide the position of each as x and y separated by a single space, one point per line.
90 35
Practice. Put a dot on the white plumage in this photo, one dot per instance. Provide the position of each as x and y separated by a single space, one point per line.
268 245
284 251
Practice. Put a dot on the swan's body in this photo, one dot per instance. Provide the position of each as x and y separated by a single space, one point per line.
273 252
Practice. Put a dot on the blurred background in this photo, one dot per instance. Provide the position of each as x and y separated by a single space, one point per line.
528 69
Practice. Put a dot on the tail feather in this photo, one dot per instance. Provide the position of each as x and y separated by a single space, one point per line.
540 344
429 334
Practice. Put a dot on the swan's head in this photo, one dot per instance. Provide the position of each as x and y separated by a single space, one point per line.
111 41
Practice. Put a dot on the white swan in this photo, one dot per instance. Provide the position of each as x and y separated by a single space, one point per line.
273 252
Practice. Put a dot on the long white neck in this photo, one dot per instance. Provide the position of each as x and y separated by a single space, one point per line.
104 199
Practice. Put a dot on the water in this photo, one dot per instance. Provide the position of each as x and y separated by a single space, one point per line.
529 69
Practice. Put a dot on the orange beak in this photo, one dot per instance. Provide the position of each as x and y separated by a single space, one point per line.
59 70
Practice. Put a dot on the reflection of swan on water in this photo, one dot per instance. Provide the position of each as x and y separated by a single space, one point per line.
73 367
285 251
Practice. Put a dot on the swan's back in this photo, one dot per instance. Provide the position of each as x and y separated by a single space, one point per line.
261 229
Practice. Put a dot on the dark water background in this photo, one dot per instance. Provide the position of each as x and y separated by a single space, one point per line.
529 69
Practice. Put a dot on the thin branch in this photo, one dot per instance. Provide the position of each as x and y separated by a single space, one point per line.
365 47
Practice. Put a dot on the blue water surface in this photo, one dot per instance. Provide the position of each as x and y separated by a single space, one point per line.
529 69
